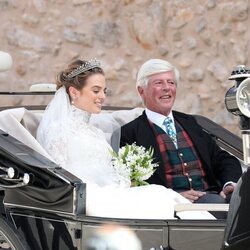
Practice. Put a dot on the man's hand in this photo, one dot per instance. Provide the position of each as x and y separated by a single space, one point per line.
192 195
228 189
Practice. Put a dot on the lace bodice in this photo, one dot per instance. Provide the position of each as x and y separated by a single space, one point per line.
82 149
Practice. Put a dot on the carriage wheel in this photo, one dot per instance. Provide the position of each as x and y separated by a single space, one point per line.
10 238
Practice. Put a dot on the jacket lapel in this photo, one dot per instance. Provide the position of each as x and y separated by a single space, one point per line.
147 138
195 133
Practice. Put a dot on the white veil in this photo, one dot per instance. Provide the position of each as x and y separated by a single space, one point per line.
57 112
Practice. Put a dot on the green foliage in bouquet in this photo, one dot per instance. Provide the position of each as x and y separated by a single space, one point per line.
134 162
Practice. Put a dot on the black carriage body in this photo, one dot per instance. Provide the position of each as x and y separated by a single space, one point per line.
50 231
49 213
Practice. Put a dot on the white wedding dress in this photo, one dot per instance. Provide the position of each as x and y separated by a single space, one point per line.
83 150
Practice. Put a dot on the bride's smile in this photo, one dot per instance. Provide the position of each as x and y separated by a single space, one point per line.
92 95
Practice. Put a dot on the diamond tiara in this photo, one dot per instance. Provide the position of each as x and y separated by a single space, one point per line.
91 64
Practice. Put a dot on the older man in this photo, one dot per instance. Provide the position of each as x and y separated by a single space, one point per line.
190 161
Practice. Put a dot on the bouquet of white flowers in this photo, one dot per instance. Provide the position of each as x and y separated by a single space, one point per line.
135 163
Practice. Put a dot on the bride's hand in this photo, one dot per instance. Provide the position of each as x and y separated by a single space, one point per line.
192 195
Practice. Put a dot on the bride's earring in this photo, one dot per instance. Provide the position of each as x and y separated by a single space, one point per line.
73 100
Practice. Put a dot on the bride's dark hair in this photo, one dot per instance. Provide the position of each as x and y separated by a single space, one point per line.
77 80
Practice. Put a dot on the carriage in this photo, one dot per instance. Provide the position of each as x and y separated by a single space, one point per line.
43 205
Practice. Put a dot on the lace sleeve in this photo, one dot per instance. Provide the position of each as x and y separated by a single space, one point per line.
57 150
54 142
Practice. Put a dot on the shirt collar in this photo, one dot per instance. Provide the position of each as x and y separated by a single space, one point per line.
157 118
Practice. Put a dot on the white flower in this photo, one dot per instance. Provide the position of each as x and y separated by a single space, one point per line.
135 163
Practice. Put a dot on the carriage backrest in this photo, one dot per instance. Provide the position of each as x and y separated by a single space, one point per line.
22 124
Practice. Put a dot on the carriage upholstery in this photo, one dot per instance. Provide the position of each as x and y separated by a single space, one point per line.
22 124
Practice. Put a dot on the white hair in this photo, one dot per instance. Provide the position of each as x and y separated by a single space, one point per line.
155 66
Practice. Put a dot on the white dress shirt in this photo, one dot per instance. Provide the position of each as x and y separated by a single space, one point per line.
158 119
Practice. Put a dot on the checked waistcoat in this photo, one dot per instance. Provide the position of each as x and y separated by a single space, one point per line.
183 168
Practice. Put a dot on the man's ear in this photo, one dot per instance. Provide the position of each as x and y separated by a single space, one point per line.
140 90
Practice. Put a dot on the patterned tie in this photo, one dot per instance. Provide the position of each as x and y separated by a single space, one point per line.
168 123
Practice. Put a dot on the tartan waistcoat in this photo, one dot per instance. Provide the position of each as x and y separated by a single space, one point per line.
183 168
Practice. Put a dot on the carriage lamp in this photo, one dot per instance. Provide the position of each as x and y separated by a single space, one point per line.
237 100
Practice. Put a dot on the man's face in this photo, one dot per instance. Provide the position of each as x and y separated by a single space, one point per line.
159 95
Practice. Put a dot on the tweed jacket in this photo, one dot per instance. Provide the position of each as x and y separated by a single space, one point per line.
219 165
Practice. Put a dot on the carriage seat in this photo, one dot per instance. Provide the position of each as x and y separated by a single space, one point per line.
22 124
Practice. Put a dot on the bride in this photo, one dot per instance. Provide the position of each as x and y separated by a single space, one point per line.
81 148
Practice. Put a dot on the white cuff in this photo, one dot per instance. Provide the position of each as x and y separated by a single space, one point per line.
229 183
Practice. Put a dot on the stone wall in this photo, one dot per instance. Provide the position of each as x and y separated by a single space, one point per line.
205 39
